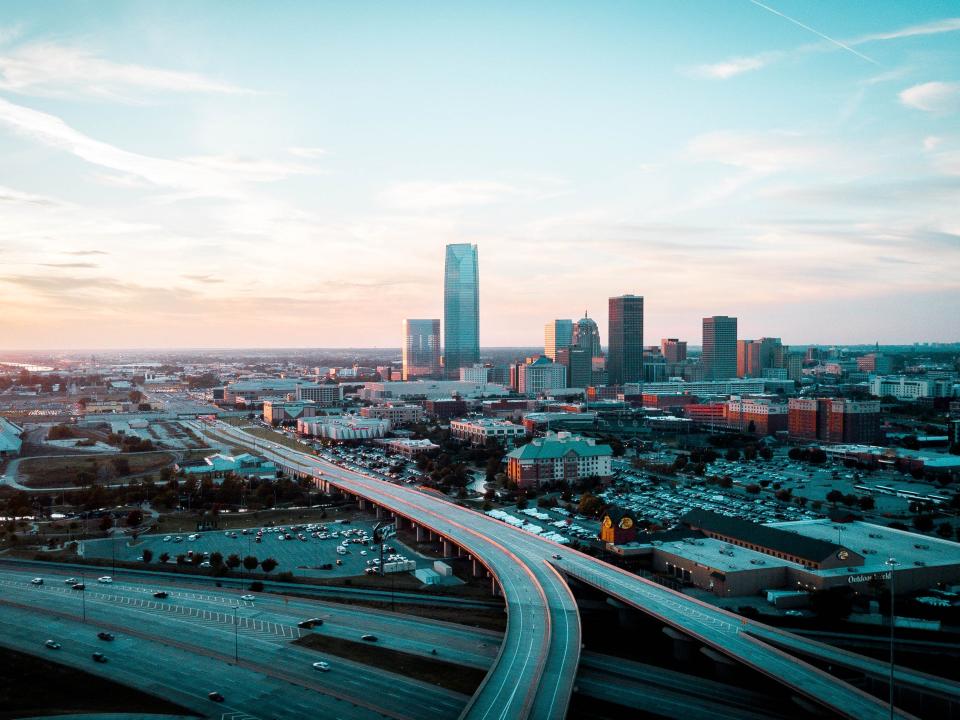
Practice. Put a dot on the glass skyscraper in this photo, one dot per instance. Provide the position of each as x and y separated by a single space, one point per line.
557 334
461 309
719 357
625 348
421 348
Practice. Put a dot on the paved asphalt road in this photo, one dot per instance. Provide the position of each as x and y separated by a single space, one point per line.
200 625
529 648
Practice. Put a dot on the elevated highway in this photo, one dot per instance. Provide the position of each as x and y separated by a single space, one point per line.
542 641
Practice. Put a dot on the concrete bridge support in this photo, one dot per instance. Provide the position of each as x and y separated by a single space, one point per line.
683 645
447 548
421 534
722 665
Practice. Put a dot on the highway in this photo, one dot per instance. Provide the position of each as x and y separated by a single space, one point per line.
530 651
201 625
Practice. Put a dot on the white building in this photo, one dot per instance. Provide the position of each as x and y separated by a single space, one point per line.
323 394
398 414
429 390
479 374
541 376
907 388
343 427
477 431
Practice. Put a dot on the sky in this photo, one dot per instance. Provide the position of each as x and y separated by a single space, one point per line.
287 174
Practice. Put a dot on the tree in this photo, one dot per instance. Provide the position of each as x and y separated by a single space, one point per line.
752 488
784 494
923 523
834 496
164 557
216 560
590 505
147 555
106 522
268 565
233 561
752 428
945 530
250 563
134 518
732 455
866 502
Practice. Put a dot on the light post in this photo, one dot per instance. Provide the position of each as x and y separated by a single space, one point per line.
236 637
83 596
892 563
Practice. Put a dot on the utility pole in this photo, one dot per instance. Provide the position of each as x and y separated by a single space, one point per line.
892 563
236 637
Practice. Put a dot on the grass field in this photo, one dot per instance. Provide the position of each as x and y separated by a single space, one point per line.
50 472
452 676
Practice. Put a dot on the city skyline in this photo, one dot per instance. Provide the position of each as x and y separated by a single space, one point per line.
194 188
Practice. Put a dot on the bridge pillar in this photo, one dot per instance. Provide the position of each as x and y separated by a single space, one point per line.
724 666
682 644
421 534
476 568
447 548
494 586
379 512
361 503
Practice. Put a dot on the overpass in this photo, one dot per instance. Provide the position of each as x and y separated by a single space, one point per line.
533 675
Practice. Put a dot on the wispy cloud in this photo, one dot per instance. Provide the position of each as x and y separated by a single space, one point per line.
761 153
9 33
48 68
308 152
211 176
935 97
732 67
439 195
77 265
210 279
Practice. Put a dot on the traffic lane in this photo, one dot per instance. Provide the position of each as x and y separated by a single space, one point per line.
527 625
715 630
454 643
162 670
220 636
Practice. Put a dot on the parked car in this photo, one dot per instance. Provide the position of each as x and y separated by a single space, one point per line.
69 581
105 635
369 638
311 623
322 666
52 644
248 598
215 696
37 581
162 594
106 579
99 657
79 586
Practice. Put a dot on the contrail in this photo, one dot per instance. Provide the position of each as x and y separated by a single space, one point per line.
815 32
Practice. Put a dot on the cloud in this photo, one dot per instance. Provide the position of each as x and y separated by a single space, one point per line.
203 278
9 33
935 97
931 142
69 265
761 153
213 176
57 70
739 65
440 195
307 152
735 66
85 252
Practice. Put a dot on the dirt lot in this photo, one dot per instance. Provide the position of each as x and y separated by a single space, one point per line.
62 471
32 686
448 675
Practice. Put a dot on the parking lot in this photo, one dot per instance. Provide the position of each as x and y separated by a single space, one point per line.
301 557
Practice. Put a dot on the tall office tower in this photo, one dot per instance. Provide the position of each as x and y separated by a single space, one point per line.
421 348
748 359
719 358
772 354
673 350
625 338
579 366
557 334
586 335
461 309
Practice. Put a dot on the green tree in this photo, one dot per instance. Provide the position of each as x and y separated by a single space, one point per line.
164 557
233 561
250 563
268 565
147 555
216 560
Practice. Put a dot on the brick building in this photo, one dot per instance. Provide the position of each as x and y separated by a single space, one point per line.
558 457
835 420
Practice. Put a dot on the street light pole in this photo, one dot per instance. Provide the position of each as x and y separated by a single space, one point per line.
892 563
83 596
236 637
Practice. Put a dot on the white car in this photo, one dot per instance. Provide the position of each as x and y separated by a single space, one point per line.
106 579
248 598
167 538
322 666
37 581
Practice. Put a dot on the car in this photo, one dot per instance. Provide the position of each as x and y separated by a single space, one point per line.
52 644
37 581
78 586
556 556
69 581
106 579
312 622
105 635
368 638
167 538
793 613
248 598
162 594
215 696
99 657
321 666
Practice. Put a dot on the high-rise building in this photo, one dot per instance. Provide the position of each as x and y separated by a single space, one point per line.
421 348
748 359
579 366
719 356
673 350
539 375
557 334
461 309
586 335
625 340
